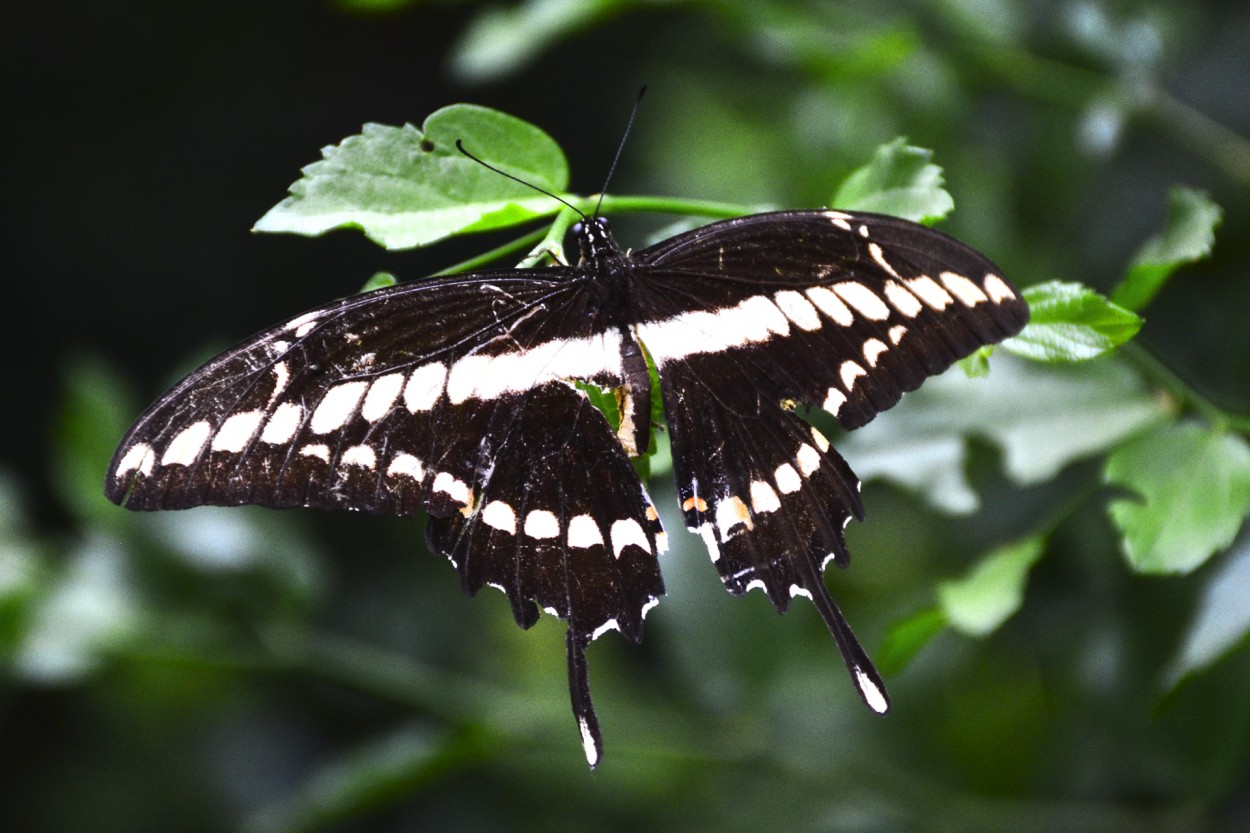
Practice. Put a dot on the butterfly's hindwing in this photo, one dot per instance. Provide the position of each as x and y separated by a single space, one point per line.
552 479
559 520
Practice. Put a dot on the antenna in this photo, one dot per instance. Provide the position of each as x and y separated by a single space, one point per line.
490 167
628 127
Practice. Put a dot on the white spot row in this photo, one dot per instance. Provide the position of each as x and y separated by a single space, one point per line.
303 325
476 376
760 318
754 320
732 511
234 435
968 293
139 457
998 289
488 377
583 531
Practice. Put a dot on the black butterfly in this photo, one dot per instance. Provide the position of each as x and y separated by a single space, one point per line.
457 396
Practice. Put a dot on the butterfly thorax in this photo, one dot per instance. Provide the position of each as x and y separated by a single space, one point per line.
595 243
610 271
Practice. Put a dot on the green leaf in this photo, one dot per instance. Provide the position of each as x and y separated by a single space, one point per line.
1069 322
94 413
502 39
406 187
978 364
907 636
604 400
1222 619
1192 488
992 591
379 280
1188 236
88 612
901 181
24 568
375 774
1042 416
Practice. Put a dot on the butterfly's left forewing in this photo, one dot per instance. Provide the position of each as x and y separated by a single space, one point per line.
344 405
452 396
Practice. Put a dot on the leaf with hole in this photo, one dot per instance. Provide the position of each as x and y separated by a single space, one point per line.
406 187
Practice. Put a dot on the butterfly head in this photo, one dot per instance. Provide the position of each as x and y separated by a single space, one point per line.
595 242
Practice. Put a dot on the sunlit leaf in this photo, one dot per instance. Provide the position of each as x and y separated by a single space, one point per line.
993 589
1222 619
93 416
504 38
978 364
1043 417
407 187
1191 493
1188 236
379 280
377 773
900 180
88 610
907 637
1069 322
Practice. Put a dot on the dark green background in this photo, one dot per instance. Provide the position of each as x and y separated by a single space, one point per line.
302 671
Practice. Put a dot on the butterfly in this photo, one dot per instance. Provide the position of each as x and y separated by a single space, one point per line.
465 397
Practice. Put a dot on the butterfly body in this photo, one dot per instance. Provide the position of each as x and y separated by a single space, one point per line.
458 396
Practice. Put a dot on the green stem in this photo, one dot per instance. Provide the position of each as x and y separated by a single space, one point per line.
549 241
1074 87
1203 134
380 673
552 242
676 205
497 253
1180 390
1042 78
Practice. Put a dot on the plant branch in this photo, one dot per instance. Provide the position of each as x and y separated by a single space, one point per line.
497 253
549 240
1074 87
1180 390
677 205
1193 129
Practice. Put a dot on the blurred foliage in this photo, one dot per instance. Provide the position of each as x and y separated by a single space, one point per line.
1054 562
